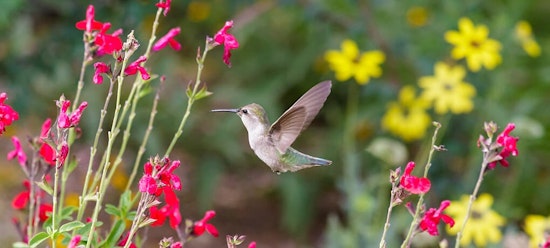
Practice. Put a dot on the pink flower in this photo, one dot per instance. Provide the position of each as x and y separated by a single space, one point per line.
413 184
63 152
69 120
168 39
164 5
228 40
108 43
45 130
100 68
252 245
17 152
176 245
202 225
135 66
171 210
7 114
432 217
89 24
508 144
74 241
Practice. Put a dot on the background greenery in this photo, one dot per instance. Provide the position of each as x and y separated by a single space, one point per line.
282 44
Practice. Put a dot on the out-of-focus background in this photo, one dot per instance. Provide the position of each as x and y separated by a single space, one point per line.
281 55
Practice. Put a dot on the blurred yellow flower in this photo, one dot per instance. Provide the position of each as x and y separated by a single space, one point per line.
483 225
537 226
349 62
120 179
472 42
447 90
198 11
525 36
417 16
407 118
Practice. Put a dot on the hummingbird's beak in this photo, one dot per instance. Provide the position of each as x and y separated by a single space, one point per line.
225 110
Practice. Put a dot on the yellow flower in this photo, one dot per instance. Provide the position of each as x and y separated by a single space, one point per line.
447 90
537 226
417 16
472 42
407 118
525 36
349 63
198 11
483 225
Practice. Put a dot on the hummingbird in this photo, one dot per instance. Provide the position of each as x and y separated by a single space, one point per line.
271 142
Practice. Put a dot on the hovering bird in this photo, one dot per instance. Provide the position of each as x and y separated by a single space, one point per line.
271 143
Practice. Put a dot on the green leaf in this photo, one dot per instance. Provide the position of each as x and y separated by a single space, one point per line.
114 234
45 187
20 245
38 238
66 213
203 92
113 210
67 227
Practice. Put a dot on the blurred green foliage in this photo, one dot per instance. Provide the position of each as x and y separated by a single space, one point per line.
281 56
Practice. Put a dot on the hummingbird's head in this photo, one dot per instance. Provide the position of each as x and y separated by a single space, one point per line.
252 115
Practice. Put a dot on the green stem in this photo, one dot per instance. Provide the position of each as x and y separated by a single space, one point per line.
388 215
471 202
416 218
190 100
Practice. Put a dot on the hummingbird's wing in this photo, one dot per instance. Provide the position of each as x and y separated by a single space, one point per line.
298 117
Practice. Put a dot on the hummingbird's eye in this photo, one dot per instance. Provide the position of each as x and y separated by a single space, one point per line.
244 111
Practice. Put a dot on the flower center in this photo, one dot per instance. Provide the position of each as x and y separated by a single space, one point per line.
476 215
475 43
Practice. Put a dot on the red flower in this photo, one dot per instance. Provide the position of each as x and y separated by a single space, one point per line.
252 245
413 184
100 68
89 23
108 43
124 240
164 5
508 144
200 226
7 114
159 176
63 152
43 211
47 153
135 66
17 152
228 40
168 39
69 120
176 245
170 210
21 200
432 217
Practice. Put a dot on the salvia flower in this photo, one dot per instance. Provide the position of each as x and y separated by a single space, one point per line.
100 68
7 114
158 174
89 24
433 216
226 39
66 120
47 153
108 43
164 5
135 66
17 152
171 210
413 184
202 225
508 146
168 39
21 200
74 241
